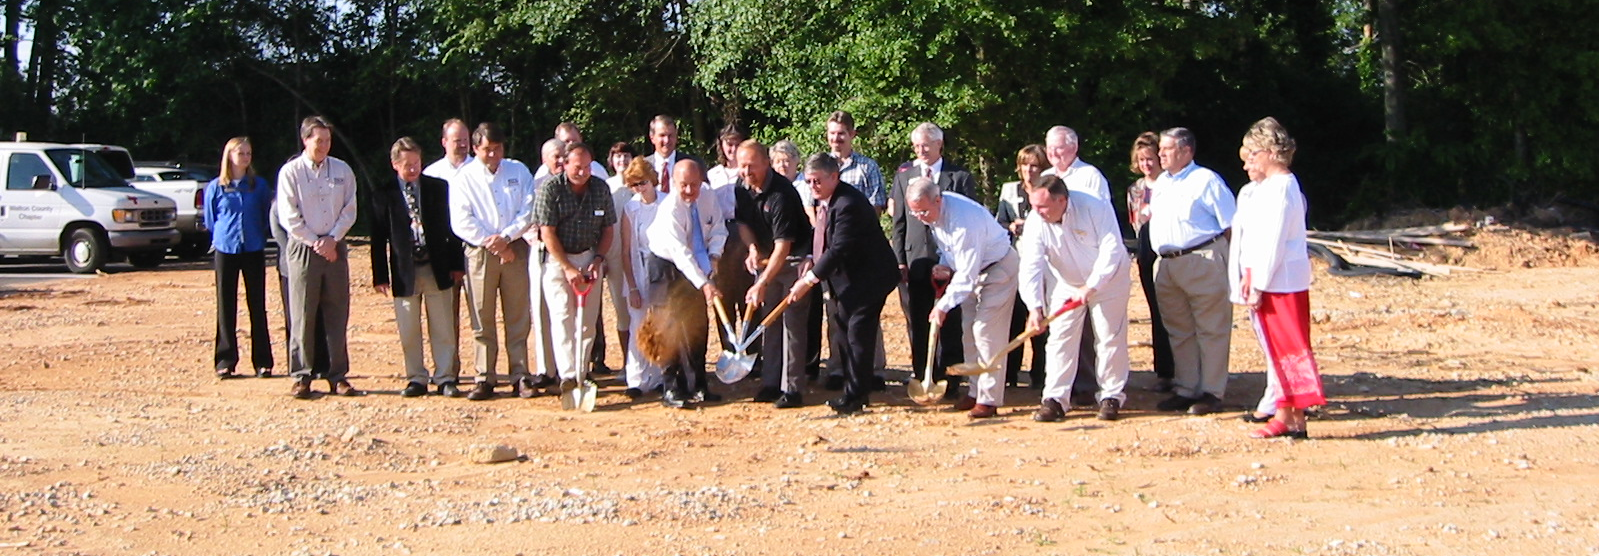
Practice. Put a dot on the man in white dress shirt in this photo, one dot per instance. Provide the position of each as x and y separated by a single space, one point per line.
1060 147
456 139
686 241
491 207
1190 216
976 258
1072 249
316 206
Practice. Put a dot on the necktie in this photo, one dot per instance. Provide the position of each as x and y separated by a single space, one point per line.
666 176
819 234
702 255
927 172
413 205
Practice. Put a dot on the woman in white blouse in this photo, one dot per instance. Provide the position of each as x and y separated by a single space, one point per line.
637 214
1269 272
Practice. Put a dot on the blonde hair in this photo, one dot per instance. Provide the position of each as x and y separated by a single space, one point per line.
1269 135
1147 140
226 176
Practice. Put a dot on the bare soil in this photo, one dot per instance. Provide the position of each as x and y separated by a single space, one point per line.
1462 421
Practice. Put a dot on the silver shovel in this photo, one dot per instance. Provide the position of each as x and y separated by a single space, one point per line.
582 397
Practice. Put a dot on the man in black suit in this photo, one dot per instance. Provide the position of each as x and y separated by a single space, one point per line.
663 136
417 258
917 254
851 256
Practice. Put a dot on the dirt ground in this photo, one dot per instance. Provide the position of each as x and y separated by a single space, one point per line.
1462 420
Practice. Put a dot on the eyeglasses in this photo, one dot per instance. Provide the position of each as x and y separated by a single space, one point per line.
640 184
921 213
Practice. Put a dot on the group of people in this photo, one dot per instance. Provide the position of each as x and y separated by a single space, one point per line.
770 230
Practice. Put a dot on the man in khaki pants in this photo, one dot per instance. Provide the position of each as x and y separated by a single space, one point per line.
976 257
1190 217
575 215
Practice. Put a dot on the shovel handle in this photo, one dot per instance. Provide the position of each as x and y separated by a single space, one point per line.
749 312
1028 334
721 313
776 311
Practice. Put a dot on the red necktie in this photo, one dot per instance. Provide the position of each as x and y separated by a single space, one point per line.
666 176
927 172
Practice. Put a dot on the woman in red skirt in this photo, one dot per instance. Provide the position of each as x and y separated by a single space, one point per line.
1270 274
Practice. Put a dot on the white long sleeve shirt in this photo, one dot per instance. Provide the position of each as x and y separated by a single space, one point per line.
969 239
1188 208
316 200
483 204
1084 177
1084 250
444 170
671 236
1269 238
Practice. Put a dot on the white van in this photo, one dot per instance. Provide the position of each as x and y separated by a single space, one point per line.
68 201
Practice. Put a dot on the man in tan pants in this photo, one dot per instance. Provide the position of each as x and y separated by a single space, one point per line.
576 217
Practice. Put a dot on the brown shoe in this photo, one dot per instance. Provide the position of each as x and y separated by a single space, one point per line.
301 389
1109 409
1049 411
965 403
343 388
983 411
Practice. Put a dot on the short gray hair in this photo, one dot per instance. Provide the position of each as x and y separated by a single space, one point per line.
922 189
929 130
1181 135
787 148
557 144
821 162
1066 134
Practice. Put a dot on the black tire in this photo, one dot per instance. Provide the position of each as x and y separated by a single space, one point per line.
147 259
86 251
193 248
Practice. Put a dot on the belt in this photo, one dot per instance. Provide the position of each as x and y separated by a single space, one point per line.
1202 245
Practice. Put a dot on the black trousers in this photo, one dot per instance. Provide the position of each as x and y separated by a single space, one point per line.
229 267
1146 277
1013 361
917 304
813 340
687 374
858 320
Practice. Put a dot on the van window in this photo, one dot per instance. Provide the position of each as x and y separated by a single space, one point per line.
85 168
22 168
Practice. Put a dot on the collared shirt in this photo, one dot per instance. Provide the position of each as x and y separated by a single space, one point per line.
720 182
595 168
1188 208
1084 177
579 220
1138 195
316 200
237 214
670 235
483 204
664 164
1269 238
1084 250
969 239
864 173
782 216
638 215
444 170
922 169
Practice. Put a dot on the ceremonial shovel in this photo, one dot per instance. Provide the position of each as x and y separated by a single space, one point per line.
973 369
925 391
581 397
731 366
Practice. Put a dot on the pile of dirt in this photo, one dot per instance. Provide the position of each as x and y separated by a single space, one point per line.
1505 247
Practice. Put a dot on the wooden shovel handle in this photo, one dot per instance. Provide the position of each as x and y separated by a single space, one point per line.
776 311
721 313
1028 334
749 312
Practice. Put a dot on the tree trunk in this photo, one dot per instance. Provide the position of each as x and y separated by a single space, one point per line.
42 60
1393 74
13 14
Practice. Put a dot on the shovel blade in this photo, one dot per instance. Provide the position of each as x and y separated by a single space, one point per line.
916 390
570 399
936 392
586 396
967 369
733 367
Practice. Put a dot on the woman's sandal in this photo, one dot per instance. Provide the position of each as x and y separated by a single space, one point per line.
1277 428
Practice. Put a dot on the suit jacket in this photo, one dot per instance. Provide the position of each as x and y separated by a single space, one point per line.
393 248
857 264
913 246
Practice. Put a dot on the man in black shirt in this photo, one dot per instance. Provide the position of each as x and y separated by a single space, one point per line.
782 236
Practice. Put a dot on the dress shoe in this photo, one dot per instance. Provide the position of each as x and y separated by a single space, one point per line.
1175 403
414 390
568 385
224 374
542 381
789 400
483 391
302 389
704 394
1109 409
1205 405
633 393
263 372
966 403
846 405
876 383
675 398
601 369
767 395
834 382
450 390
343 388
983 411
525 388
1049 411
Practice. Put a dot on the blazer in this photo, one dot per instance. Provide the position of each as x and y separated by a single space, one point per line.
857 265
913 246
393 259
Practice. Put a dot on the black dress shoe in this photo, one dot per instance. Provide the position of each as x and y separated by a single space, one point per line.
450 390
633 393
834 382
1049 411
846 405
600 369
263 372
1205 405
767 395
525 388
1109 409
414 390
675 398
1175 403
1251 417
705 395
877 384
483 391
789 400
542 381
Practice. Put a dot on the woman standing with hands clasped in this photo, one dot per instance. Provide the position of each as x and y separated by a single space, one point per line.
236 206
1269 273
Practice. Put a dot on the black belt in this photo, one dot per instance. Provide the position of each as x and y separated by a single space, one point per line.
1202 245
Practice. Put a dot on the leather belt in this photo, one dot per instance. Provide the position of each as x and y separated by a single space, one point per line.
1202 245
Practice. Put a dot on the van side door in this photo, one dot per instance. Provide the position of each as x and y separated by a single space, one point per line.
28 217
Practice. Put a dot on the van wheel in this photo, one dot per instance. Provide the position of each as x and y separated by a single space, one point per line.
147 259
86 251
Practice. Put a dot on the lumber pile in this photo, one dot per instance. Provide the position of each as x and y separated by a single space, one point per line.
1397 248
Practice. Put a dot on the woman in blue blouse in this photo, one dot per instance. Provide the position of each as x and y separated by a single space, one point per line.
236 206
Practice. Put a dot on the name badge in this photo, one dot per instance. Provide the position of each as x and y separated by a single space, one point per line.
338 181
599 212
512 181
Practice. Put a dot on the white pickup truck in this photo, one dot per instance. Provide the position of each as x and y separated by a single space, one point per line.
68 201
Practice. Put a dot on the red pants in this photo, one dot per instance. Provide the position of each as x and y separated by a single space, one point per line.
1285 332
